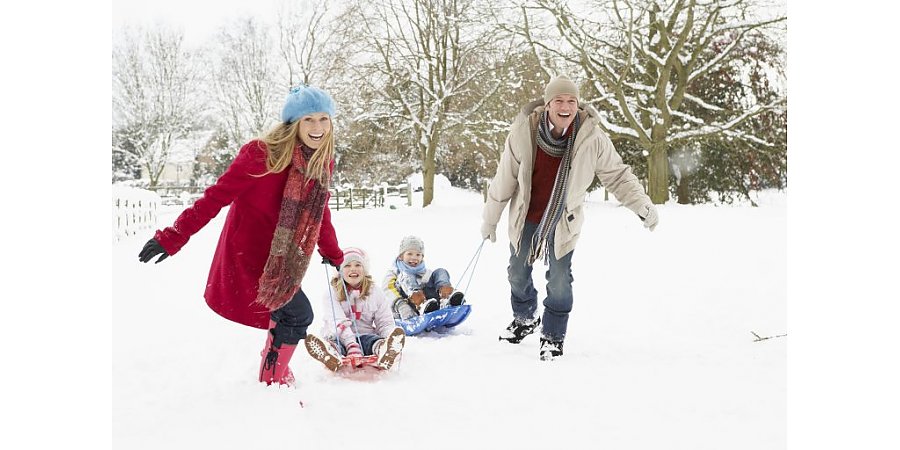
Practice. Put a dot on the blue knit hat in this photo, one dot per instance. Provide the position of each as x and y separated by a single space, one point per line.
304 100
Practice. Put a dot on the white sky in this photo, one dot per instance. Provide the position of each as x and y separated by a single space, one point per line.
199 19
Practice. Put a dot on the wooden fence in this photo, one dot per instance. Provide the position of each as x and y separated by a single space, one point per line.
367 197
342 197
133 211
178 195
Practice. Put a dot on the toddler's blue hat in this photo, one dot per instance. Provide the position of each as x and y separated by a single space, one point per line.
304 100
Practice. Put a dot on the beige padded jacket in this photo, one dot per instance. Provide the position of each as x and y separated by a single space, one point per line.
594 155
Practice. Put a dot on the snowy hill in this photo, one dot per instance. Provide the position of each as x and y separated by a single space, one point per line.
659 353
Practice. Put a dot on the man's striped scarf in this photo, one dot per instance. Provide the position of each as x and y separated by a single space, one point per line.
296 234
562 147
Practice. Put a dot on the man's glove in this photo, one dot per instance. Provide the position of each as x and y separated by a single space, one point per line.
151 249
650 217
325 260
489 231
417 298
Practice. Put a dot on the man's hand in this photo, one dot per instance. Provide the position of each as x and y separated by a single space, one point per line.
650 217
489 231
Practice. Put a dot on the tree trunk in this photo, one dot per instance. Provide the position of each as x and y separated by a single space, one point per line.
428 183
684 188
658 173
153 176
428 175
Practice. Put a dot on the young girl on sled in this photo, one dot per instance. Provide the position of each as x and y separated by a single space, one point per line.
358 325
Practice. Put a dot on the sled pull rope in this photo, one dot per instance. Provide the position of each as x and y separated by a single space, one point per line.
472 274
337 336
333 315
355 327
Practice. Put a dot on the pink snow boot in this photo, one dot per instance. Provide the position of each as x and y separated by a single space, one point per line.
274 365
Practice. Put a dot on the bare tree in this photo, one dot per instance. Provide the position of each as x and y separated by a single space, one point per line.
154 103
245 77
310 42
424 57
640 61
475 142
318 43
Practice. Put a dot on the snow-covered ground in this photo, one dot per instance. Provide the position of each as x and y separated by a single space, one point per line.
659 352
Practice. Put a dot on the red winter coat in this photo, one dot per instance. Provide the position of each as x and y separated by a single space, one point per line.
246 236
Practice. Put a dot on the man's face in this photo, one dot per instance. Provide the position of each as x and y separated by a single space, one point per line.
562 109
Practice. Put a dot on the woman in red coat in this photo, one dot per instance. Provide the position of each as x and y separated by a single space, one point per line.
277 187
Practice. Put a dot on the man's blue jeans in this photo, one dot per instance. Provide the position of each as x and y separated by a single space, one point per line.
557 304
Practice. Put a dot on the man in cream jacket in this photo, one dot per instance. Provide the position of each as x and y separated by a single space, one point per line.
554 150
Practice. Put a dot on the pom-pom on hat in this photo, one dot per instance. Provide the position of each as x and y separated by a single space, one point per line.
560 85
412 243
356 254
304 100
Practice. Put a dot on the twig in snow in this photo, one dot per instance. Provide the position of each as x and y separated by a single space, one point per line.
767 337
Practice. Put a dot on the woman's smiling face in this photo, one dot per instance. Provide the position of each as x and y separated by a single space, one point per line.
313 129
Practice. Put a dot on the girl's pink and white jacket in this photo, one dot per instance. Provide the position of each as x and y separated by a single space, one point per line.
373 314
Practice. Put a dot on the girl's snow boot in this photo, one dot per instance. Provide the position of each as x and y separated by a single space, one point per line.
389 349
322 351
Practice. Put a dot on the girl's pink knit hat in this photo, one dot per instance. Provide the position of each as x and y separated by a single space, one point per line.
356 254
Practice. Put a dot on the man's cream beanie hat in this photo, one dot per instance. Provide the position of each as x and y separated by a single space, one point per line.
560 85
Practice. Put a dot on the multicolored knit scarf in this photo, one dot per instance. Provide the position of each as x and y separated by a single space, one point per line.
302 207
561 147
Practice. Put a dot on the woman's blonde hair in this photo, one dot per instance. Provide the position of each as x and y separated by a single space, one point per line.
284 138
364 288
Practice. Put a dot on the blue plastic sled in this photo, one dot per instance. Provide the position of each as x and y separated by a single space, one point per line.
448 317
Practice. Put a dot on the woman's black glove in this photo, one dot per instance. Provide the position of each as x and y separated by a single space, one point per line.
151 249
325 260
